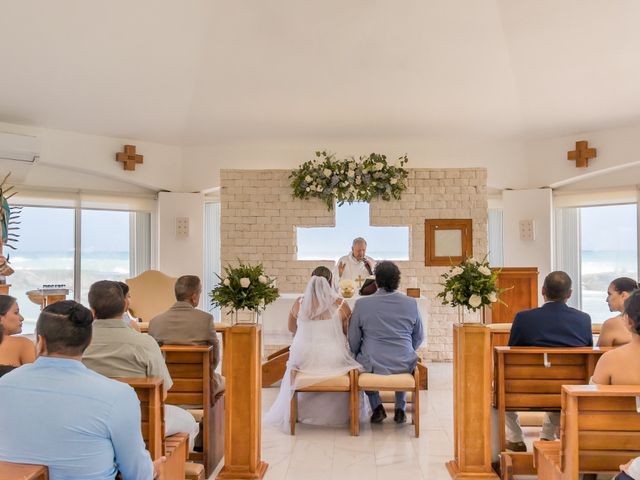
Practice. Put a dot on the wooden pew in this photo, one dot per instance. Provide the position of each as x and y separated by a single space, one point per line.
22 471
600 430
175 447
531 379
190 369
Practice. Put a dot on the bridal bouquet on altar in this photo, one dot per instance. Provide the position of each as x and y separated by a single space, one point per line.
471 285
349 180
245 287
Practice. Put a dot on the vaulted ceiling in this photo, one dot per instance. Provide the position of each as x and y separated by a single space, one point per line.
200 72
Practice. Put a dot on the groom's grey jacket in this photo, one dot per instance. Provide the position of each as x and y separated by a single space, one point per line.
385 331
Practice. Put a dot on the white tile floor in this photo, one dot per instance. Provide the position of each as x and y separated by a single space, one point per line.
380 452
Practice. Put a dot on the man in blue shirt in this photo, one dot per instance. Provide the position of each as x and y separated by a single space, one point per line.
384 333
555 324
56 412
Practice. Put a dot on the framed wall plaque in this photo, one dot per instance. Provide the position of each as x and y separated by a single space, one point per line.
447 242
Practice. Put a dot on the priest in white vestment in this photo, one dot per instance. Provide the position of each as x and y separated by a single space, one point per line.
355 264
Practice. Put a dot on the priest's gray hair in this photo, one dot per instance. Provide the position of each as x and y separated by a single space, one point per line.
358 240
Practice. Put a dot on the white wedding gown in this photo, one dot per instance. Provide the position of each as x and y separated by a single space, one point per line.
319 351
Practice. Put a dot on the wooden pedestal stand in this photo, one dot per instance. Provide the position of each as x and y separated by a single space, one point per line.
243 404
471 404
4 288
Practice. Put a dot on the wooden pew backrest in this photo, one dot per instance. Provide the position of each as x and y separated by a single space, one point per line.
190 367
21 471
600 428
149 391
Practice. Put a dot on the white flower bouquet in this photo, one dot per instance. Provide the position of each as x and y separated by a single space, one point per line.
244 287
349 180
472 284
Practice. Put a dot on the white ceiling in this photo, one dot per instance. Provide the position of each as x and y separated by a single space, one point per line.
200 72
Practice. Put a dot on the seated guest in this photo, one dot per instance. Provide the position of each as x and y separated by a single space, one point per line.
184 324
14 351
621 366
555 324
629 471
118 351
344 311
127 318
384 333
59 413
615 331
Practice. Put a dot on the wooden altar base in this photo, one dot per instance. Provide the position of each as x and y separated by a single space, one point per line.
456 474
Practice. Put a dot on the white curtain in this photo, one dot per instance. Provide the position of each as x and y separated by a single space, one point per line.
211 254
567 249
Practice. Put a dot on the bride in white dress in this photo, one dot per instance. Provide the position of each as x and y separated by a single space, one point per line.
319 351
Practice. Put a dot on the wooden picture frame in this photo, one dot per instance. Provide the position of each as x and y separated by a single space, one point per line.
447 241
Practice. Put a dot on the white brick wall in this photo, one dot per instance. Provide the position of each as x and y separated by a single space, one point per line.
259 220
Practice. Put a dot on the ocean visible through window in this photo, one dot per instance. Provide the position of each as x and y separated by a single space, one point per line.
352 221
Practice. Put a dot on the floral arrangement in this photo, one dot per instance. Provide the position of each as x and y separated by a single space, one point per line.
244 287
349 180
471 284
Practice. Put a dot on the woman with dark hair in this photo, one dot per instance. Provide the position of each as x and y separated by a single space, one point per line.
127 318
615 331
621 366
344 310
14 351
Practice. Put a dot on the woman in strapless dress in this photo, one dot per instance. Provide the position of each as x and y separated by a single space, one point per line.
615 331
14 350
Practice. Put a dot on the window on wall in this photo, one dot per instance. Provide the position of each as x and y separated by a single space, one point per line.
608 249
44 255
111 245
352 221
594 245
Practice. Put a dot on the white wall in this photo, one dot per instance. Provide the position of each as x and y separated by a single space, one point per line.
181 256
202 164
533 205
64 154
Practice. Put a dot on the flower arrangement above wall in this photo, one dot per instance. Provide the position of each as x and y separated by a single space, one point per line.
349 180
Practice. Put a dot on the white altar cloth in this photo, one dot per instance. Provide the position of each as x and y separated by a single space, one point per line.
276 316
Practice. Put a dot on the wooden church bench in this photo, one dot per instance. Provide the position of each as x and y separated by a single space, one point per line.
23 471
531 379
175 447
191 372
402 382
600 430
345 383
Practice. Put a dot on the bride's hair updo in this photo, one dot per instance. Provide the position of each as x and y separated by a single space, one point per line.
632 310
322 272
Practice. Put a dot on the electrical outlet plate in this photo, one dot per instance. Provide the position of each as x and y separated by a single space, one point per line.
182 227
527 230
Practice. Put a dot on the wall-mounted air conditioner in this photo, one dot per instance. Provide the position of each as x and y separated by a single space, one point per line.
20 148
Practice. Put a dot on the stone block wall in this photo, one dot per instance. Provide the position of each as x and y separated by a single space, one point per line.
259 219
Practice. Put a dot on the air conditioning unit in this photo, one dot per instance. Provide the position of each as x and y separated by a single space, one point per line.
19 148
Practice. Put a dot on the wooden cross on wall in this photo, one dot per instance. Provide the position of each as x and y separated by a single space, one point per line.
582 154
129 158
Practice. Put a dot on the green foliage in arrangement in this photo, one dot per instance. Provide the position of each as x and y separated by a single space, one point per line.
349 180
472 284
244 287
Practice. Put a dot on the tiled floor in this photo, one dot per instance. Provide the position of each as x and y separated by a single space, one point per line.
384 451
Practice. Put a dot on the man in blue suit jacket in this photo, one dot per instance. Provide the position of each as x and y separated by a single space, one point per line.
384 333
555 324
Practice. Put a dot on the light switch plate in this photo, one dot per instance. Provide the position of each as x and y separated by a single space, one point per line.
527 230
182 227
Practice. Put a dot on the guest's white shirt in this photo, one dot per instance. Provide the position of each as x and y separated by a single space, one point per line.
634 469
352 268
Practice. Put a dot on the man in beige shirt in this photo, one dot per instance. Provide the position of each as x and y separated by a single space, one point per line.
184 324
119 351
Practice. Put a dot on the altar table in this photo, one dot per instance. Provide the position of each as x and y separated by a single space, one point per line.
276 317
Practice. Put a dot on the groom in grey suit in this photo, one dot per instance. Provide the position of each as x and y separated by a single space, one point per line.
384 332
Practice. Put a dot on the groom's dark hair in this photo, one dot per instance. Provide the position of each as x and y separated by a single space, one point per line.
387 276
322 271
